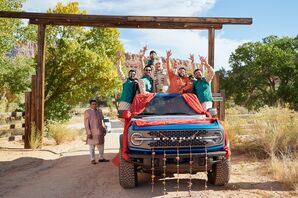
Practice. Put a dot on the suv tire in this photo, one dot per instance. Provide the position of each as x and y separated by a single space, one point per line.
128 176
220 173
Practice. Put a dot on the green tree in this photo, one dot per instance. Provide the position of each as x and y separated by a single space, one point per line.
79 64
263 73
8 28
15 71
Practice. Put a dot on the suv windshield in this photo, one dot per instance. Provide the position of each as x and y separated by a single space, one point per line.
172 104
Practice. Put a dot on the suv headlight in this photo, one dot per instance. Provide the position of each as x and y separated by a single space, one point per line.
218 137
136 139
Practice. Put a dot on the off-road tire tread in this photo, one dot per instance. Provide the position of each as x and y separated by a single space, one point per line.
220 174
127 173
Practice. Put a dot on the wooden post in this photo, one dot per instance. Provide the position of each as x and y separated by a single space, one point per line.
33 99
211 39
211 47
222 112
27 120
40 79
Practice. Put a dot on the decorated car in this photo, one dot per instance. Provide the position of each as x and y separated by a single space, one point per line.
171 133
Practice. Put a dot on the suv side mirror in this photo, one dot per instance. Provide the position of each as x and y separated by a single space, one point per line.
213 112
126 114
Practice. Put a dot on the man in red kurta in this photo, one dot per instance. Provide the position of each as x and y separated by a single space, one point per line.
93 120
179 83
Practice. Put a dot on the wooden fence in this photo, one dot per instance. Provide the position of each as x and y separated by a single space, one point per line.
219 103
12 123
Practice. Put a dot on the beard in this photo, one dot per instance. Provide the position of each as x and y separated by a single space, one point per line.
181 75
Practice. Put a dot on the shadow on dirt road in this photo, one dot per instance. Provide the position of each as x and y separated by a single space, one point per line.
74 176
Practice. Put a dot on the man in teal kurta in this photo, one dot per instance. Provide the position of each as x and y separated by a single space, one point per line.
147 79
130 87
202 85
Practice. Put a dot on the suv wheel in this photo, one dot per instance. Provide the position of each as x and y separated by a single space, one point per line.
220 173
128 176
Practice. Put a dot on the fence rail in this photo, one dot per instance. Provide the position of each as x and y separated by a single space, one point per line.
12 125
219 103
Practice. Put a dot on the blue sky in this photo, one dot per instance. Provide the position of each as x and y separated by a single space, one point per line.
270 17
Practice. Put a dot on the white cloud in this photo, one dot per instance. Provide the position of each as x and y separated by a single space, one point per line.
130 7
41 6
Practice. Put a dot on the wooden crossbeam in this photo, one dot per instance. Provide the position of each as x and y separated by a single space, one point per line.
114 24
158 22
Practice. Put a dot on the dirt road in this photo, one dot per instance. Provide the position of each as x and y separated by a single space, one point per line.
65 171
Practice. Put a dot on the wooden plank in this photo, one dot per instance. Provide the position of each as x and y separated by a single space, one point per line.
216 94
40 80
33 99
211 49
218 99
13 114
203 20
27 120
211 43
95 20
145 25
222 106
12 126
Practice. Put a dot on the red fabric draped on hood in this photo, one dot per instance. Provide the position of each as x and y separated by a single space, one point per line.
193 102
140 102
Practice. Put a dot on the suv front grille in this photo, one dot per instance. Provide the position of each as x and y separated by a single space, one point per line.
198 138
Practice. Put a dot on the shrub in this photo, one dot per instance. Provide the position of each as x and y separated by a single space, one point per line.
35 138
285 170
60 133
275 131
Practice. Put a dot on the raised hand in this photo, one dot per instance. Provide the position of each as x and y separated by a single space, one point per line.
192 57
145 48
169 53
203 60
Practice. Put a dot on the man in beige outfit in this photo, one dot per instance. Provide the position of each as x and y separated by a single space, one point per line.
93 120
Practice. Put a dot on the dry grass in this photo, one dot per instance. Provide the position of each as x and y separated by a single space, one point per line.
35 139
273 134
60 133
234 125
285 170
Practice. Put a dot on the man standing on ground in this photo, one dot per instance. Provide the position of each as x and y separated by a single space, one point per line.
93 120
202 85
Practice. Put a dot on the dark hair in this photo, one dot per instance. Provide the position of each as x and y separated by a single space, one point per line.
132 70
151 52
196 70
149 65
92 100
182 68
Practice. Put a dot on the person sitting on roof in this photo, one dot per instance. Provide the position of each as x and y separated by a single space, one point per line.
152 56
131 87
148 80
179 83
202 85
